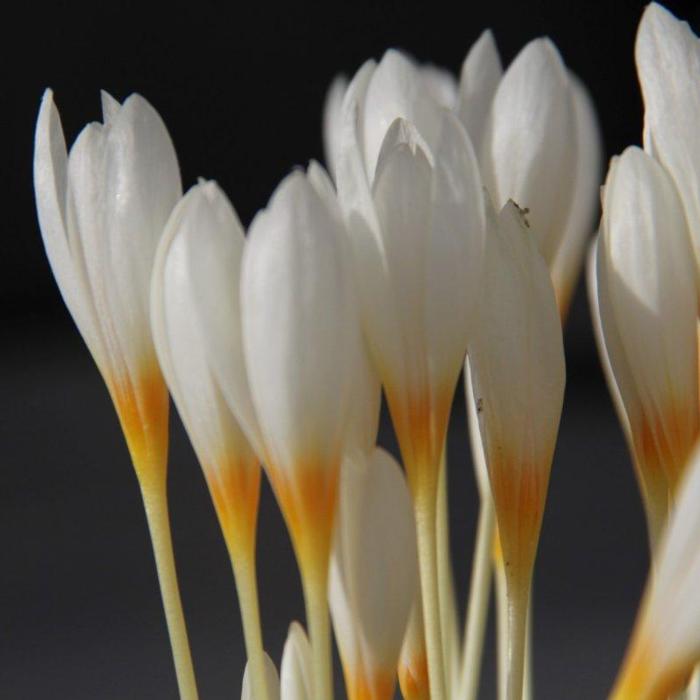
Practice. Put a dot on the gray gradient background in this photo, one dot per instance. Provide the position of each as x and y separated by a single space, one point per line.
241 91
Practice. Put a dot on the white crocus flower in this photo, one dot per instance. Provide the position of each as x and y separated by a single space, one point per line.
272 681
665 646
374 572
232 470
102 208
410 189
286 347
668 64
647 303
542 113
516 357
296 677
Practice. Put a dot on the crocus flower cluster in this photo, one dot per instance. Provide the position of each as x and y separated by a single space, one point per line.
445 237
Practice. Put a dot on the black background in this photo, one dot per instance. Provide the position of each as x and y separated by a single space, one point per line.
240 88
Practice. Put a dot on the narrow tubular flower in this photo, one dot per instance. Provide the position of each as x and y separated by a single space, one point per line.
271 678
668 65
296 676
410 189
665 646
541 112
374 573
516 358
647 301
203 225
102 209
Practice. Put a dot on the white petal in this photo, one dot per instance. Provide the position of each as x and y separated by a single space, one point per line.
581 219
332 121
374 568
402 194
214 253
296 672
177 332
273 682
50 185
440 84
668 63
296 315
517 368
652 297
530 142
110 106
396 90
479 78
454 251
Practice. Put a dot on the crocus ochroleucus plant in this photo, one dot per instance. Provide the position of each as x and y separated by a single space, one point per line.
205 221
410 190
102 209
374 573
647 303
516 358
665 646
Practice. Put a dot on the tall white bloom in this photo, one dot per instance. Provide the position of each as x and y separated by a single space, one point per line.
102 208
409 186
668 65
374 572
516 357
647 302
665 646
203 225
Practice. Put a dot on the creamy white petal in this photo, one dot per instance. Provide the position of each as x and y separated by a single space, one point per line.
273 682
214 253
397 91
581 220
296 672
110 106
402 195
365 385
517 370
652 297
479 79
332 121
200 216
50 186
668 64
296 312
455 251
529 149
374 567
440 84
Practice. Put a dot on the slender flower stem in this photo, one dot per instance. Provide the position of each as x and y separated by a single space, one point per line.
518 601
478 605
425 502
155 501
315 583
528 677
501 622
243 563
448 605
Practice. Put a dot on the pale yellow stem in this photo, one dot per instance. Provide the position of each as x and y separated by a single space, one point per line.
478 605
448 604
518 603
156 505
425 502
243 563
501 626
315 584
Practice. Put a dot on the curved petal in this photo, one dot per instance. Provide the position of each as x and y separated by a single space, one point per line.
296 673
530 143
332 121
481 73
273 682
668 64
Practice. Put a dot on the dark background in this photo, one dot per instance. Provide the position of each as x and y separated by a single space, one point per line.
241 90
